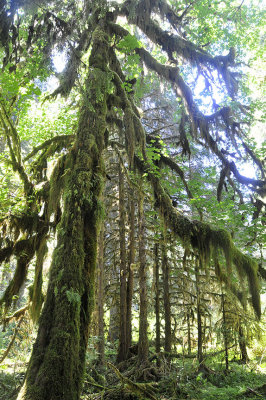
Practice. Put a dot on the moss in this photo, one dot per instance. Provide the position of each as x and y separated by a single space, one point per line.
248 267
37 295
57 363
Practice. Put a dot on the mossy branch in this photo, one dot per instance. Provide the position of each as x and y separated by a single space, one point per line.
206 240
61 139
138 388
12 341
16 315
199 120
13 142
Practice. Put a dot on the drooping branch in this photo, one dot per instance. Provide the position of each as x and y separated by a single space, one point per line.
200 122
203 238
13 141
172 44
60 140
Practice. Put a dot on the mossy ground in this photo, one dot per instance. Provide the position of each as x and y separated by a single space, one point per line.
181 381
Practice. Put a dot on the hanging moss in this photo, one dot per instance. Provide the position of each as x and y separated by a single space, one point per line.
207 242
248 267
19 276
60 171
37 295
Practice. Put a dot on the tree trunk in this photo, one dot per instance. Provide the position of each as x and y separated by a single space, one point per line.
131 260
143 347
225 334
242 345
166 297
100 297
188 333
57 362
157 299
113 332
199 317
122 349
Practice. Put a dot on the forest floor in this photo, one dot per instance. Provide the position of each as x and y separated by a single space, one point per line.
182 379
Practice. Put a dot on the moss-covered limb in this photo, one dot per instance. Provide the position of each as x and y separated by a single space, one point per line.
176 44
61 140
206 240
145 389
24 251
16 315
36 296
10 131
57 363
223 175
27 223
200 122
12 341
13 142
131 116
175 167
70 73
248 267
131 182
262 272
256 160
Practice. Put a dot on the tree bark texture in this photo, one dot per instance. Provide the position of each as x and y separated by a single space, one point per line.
100 298
143 317
199 317
122 350
57 362
225 333
166 296
157 299
242 345
130 275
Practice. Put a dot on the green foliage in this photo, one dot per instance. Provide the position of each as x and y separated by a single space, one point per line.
129 43
73 297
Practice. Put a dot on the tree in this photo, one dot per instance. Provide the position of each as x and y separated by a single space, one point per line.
106 90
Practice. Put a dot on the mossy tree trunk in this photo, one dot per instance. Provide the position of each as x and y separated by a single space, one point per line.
122 349
157 299
131 260
225 333
199 316
57 362
100 298
188 333
143 347
242 345
166 296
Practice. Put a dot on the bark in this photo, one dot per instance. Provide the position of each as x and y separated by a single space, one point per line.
157 299
57 362
225 334
188 334
242 345
131 260
100 296
122 350
143 347
113 333
166 296
199 318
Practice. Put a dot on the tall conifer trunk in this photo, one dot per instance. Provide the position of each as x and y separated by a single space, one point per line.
57 362
131 260
122 350
157 299
143 347
199 316
100 297
166 296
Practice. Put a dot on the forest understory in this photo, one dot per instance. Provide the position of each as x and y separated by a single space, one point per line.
132 200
